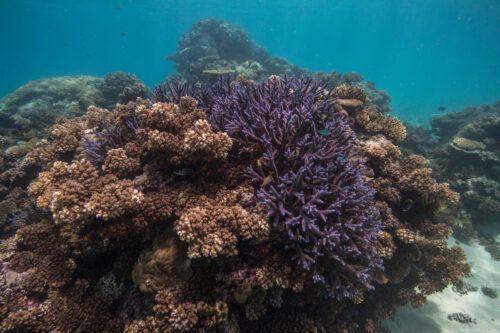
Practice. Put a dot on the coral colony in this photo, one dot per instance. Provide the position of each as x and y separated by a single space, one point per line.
309 177
250 213
281 204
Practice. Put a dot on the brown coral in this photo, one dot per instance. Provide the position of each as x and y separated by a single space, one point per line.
420 184
68 133
118 163
114 200
200 142
375 122
276 272
378 147
173 312
64 190
213 230
345 91
164 266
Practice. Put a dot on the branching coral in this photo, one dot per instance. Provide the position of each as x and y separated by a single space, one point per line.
67 134
114 200
213 230
181 132
173 312
309 175
245 207
375 122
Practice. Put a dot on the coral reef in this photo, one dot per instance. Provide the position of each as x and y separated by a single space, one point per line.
401 201
311 178
26 112
232 206
463 147
214 47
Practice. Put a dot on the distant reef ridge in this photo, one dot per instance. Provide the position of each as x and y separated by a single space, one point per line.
215 47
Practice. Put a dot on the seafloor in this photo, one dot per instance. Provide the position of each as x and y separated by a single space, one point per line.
244 194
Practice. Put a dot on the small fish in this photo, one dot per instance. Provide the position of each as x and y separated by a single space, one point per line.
124 34
183 172
324 132
266 181
221 71
381 277
441 108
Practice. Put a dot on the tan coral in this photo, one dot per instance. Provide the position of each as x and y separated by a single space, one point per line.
276 272
64 189
181 132
174 312
212 315
375 122
67 132
117 162
387 246
73 192
201 141
170 117
379 147
345 91
420 184
407 236
114 200
212 230
95 116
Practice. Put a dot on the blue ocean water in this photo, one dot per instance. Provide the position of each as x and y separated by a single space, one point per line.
426 53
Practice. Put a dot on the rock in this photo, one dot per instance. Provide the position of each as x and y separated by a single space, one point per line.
489 292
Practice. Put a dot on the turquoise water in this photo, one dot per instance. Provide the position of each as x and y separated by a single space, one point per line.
426 53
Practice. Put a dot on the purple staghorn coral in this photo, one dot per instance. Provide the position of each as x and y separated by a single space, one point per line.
106 138
309 177
172 90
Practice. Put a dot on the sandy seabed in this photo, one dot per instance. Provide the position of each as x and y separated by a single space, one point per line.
433 316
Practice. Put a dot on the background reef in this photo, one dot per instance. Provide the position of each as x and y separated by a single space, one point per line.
215 47
463 147
424 55
234 204
28 111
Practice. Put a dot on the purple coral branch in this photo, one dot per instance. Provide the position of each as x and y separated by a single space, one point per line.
317 199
